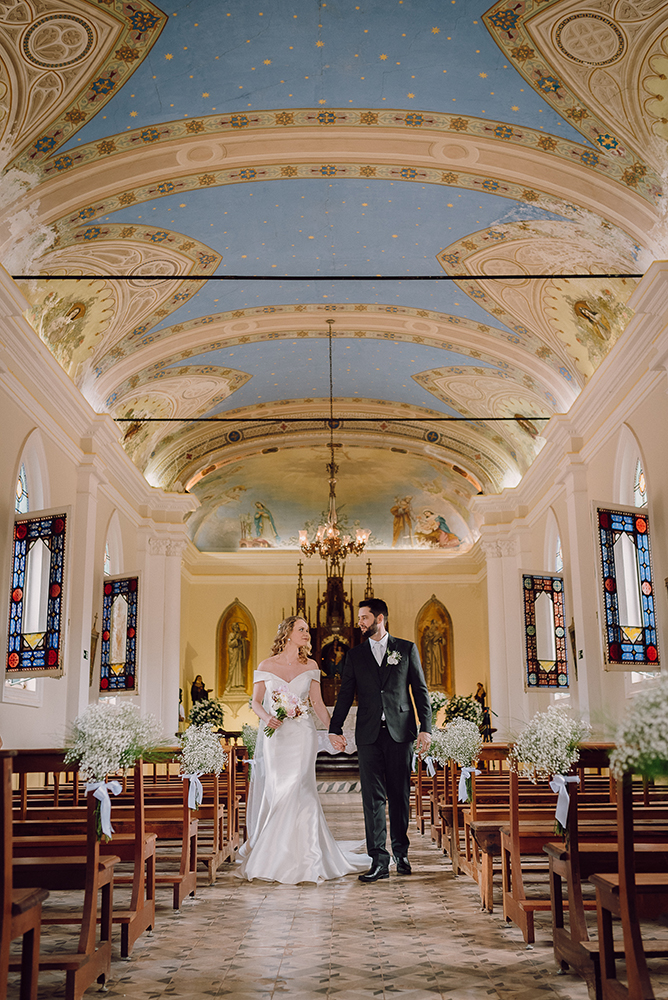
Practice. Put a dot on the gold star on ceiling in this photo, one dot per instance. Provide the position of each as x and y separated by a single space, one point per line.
205 95
319 44
267 62
382 57
169 56
410 95
483 75
435 31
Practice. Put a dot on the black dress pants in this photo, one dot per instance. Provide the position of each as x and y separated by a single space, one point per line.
385 775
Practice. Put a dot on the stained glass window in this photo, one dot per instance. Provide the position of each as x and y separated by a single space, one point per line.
22 503
545 632
639 486
629 629
118 664
558 556
36 600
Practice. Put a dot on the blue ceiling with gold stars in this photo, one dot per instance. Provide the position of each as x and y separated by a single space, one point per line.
316 157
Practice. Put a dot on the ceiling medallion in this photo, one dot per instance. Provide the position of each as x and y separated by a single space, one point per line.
328 542
590 38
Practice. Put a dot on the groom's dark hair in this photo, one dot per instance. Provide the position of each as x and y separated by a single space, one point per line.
375 606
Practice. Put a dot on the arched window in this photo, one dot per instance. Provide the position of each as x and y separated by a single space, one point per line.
630 485
113 548
107 559
639 486
558 556
22 503
32 494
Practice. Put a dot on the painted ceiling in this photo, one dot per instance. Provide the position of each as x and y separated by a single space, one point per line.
316 161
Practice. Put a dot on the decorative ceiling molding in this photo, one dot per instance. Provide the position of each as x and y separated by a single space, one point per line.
592 66
498 167
263 138
518 249
61 63
158 349
84 321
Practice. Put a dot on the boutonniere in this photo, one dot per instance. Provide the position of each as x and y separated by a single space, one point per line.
394 657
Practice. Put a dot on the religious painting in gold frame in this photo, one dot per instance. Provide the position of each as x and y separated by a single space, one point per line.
236 655
433 636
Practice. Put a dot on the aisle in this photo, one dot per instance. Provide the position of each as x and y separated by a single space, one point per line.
413 937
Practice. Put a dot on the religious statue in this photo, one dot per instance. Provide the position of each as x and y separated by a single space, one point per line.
433 654
238 648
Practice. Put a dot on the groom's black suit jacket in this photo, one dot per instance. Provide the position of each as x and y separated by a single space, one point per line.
384 687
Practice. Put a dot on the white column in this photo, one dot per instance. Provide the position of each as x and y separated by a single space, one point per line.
158 666
171 671
583 584
81 573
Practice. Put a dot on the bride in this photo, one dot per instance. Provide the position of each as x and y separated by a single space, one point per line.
288 838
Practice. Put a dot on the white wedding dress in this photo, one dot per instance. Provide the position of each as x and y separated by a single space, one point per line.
288 837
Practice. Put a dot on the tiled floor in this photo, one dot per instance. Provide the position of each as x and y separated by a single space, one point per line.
413 937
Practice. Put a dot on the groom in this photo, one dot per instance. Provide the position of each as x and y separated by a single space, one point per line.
384 672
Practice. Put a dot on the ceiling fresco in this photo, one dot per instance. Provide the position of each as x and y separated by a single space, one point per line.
227 178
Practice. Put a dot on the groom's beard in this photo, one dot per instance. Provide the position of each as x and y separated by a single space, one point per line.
371 630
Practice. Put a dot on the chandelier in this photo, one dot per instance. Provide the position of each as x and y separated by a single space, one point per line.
328 542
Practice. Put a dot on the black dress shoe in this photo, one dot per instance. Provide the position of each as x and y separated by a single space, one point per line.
374 873
403 866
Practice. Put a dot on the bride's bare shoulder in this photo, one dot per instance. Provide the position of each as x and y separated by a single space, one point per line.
267 663
312 665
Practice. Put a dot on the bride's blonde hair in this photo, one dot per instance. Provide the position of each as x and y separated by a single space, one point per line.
283 634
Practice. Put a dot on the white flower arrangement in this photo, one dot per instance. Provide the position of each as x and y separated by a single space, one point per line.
201 751
210 710
106 738
438 700
548 745
642 735
249 737
465 706
459 741
394 657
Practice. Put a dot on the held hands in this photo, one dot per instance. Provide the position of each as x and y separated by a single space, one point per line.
423 742
338 742
273 722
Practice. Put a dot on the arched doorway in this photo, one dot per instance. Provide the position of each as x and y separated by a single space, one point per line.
236 645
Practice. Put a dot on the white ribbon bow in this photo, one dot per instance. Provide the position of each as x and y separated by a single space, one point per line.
428 763
100 790
462 792
559 785
196 790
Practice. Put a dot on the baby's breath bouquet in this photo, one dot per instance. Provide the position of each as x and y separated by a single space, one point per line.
460 741
106 738
249 737
464 706
642 735
548 748
548 745
438 700
208 711
201 753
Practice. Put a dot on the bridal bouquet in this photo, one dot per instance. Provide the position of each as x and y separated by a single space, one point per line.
286 705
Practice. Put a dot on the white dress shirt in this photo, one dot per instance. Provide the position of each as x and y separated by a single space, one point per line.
379 647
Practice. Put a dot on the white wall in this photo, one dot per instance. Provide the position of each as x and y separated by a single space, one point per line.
86 469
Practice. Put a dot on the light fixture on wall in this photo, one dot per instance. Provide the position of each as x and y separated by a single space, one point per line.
328 542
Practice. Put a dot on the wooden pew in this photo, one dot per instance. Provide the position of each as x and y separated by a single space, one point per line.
137 846
171 820
94 874
574 863
629 896
21 908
